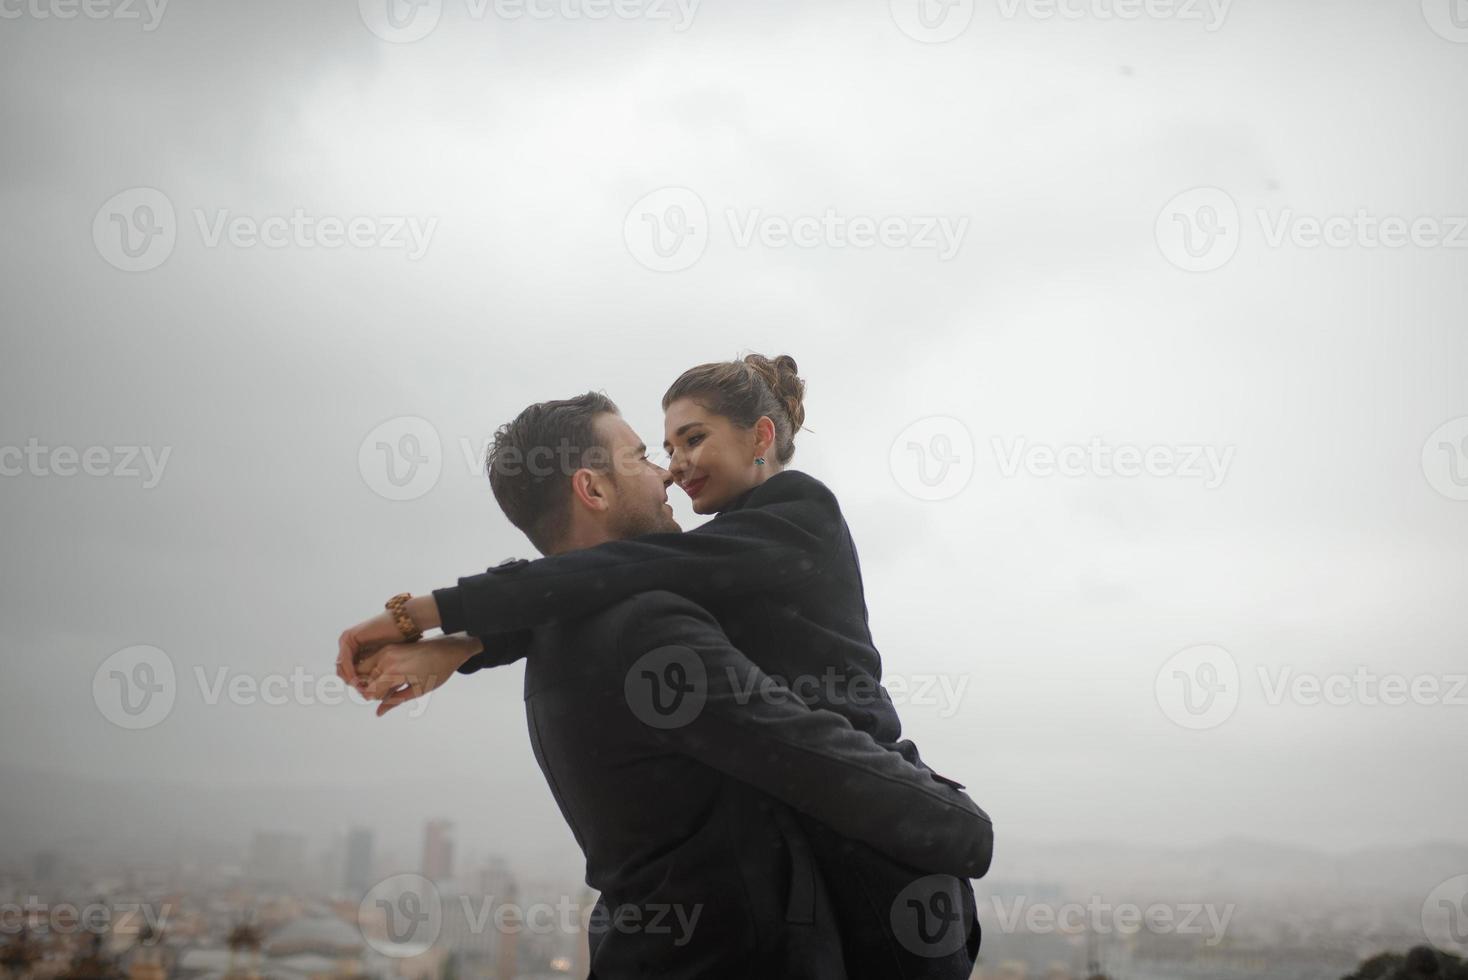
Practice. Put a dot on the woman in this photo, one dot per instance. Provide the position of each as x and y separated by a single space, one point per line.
777 567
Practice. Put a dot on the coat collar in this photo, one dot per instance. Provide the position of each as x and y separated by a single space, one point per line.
742 501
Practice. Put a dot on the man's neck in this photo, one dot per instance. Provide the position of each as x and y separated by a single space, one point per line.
583 537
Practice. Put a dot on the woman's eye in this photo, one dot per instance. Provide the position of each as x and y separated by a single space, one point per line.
694 440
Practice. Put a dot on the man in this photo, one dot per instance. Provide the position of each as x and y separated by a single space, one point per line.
670 754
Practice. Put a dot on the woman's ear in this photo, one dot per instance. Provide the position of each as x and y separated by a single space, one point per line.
764 436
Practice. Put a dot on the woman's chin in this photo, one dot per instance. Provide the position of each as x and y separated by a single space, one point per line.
705 504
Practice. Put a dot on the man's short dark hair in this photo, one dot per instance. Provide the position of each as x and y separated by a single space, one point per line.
532 458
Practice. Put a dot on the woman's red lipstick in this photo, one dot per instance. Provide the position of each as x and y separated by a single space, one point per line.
692 487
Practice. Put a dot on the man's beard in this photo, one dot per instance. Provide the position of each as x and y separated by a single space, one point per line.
650 519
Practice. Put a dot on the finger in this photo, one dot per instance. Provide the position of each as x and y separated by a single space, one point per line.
346 657
383 684
400 696
367 666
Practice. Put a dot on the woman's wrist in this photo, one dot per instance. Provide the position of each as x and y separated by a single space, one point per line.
423 610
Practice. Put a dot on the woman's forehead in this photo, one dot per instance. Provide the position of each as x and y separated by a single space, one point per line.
684 411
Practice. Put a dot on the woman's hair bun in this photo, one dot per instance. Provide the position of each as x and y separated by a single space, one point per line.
782 377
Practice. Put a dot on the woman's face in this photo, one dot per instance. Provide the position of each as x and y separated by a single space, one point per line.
710 457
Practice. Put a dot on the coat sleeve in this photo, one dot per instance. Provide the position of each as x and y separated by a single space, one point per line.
706 700
785 536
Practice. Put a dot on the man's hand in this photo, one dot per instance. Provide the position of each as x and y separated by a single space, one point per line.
373 634
400 672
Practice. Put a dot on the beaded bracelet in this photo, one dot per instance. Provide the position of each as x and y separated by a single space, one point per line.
406 626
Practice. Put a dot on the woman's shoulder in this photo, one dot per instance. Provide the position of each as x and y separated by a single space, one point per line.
791 485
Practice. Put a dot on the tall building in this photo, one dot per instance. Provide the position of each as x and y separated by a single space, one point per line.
358 876
438 850
506 965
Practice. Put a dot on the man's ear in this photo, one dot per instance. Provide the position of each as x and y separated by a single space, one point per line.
764 436
588 489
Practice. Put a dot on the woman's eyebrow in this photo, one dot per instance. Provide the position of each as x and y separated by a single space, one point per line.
681 429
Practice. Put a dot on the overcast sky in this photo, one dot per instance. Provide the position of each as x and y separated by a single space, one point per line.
989 261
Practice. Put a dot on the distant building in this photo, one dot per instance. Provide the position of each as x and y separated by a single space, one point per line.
358 871
438 850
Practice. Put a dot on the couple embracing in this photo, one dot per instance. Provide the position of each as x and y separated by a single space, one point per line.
706 706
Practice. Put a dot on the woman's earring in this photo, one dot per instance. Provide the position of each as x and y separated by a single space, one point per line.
759 461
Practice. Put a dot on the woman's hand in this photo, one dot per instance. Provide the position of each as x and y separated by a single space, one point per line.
401 672
372 634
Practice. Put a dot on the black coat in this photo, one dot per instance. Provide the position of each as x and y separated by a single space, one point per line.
680 796
779 570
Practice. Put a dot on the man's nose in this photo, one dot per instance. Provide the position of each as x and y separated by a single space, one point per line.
667 477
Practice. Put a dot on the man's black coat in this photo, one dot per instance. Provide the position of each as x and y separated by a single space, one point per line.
779 571
677 764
